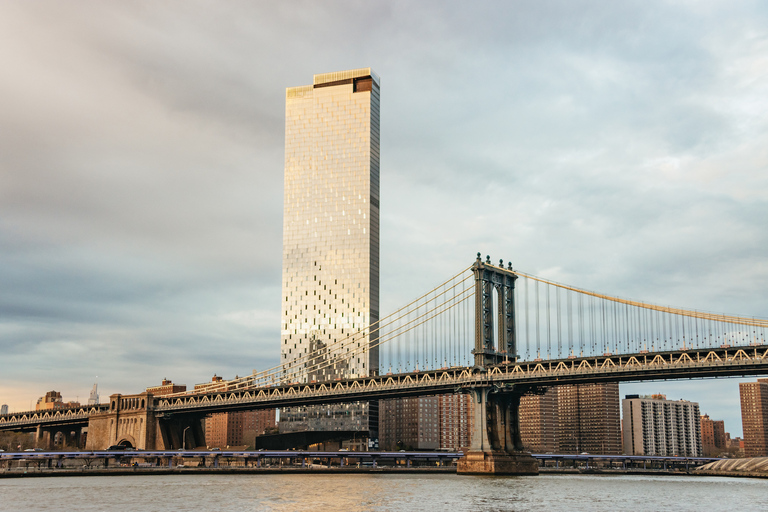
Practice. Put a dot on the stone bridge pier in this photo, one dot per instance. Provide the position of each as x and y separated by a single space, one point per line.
496 447
59 436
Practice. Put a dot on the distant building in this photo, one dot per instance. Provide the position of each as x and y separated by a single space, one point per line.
735 446
337 417
409 423
3 409
599 418
572 418
425 422
713 438
166 388
539 421
53 400
238 428
93 399
455 421
754 417
217 384
654 425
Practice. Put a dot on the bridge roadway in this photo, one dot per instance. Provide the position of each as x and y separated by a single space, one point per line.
560 460
520 376
48 458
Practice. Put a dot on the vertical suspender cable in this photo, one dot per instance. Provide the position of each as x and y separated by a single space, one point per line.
602 310
527 320
626 323
514 312
549 339
569 318
592 324
538 339
559 322
581 321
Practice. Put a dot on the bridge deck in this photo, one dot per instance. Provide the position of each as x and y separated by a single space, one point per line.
524 375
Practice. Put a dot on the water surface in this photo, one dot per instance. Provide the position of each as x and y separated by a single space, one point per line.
368 492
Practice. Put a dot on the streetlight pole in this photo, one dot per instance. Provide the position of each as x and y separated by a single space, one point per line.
184 439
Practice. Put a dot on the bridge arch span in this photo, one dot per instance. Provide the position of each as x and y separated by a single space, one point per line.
126 440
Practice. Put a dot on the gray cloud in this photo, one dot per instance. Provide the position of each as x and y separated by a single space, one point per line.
616 147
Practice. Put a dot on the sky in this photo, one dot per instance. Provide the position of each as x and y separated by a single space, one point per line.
620 147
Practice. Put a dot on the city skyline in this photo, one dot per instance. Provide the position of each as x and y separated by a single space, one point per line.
141 190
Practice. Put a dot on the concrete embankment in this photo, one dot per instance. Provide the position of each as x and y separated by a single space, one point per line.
755 467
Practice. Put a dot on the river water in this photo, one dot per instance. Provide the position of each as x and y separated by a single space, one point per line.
364 492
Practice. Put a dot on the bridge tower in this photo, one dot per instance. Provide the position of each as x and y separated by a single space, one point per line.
496 446
493 346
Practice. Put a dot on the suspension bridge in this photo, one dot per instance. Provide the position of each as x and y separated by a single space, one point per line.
490 330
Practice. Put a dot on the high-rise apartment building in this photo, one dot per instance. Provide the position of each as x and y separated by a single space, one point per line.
654 425
599 417
713 436
330 280
410 423
239 428
425 422
572 418
539 422
754 417
455 416
4 409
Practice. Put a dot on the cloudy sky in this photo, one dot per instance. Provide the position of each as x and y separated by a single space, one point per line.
618 147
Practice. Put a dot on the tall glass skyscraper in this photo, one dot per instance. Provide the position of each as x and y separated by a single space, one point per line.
331 238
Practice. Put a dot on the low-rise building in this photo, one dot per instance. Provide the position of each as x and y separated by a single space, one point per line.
167 387
53 400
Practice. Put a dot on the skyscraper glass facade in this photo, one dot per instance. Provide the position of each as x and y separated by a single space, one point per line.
330 280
